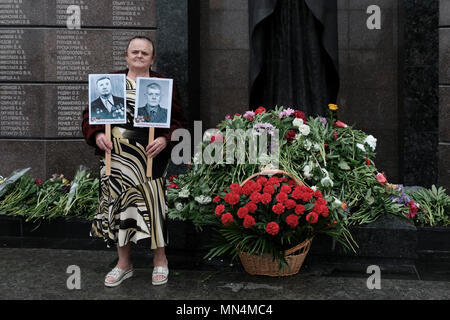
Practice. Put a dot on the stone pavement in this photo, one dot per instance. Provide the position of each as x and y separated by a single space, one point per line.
30 274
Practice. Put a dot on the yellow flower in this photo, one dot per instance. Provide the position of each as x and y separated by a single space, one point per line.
333 107
64 180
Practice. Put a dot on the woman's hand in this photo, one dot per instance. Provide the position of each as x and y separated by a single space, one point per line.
103 143
156 146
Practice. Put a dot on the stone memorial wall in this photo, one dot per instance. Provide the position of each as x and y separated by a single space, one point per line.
44 69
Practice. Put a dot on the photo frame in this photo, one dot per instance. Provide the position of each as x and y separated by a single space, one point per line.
153 102
107 99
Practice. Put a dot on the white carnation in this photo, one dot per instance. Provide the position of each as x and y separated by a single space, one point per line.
371 141
326 182
307 171
314 188
360 146
308 145
304 129
297 122
203 199
184 193
179 206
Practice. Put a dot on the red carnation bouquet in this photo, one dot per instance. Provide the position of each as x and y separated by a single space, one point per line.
268 215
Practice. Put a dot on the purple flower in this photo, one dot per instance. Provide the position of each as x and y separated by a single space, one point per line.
324 120
260 127
286 113
403 198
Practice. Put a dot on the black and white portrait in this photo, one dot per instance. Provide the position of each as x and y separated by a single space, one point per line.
107 98
154 102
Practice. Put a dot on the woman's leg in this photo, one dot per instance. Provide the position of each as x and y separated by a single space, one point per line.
160 260
124 262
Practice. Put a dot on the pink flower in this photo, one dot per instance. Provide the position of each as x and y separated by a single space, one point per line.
217 137
249 114
340 124
286 113
412 209
381 178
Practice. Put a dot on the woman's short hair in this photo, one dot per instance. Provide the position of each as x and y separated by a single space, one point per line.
142 38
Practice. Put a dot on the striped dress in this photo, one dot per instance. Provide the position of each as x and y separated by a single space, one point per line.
131 206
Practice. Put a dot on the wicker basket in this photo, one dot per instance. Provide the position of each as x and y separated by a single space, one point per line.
265 264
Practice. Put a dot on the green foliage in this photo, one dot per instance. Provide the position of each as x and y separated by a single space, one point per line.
56 197
434 206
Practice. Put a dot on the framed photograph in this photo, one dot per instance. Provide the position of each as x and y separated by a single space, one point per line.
107 99
153 102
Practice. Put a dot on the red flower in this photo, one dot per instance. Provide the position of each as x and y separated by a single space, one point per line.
173 186
172 177
290 136
235 188
286 189
219 209
266 198
237 114
249 221
216 199
217 137
231 198
340 124
272 228
278 208
367 161
292 183
299 114
282 197
413 209
226 218
251 207
335 134
318 194
260 110
290 204
381 178
312 217
250 119
299 209
248 187
257 187
255 197
292 220
274 180
262 181
242 212
38 182
269 189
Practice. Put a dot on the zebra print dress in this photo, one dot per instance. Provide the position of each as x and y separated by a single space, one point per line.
131 206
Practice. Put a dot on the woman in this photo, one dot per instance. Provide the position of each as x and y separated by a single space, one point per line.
133 207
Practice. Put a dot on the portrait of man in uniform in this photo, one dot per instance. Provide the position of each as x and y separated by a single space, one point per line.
154 101
106 107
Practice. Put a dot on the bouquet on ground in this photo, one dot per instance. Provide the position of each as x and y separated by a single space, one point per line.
268 215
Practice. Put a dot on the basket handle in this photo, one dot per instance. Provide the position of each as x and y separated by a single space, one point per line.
273 172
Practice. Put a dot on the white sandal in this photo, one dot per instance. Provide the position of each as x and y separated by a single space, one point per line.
160 271
118 275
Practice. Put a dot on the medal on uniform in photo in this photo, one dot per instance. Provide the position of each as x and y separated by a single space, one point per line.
107 104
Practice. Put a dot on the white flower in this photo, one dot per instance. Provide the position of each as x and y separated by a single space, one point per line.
304 129
337 201
307 171
308 145
179 206
314 188
360 146
297 122
316 146
203 199
371 141
184 193
326 182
